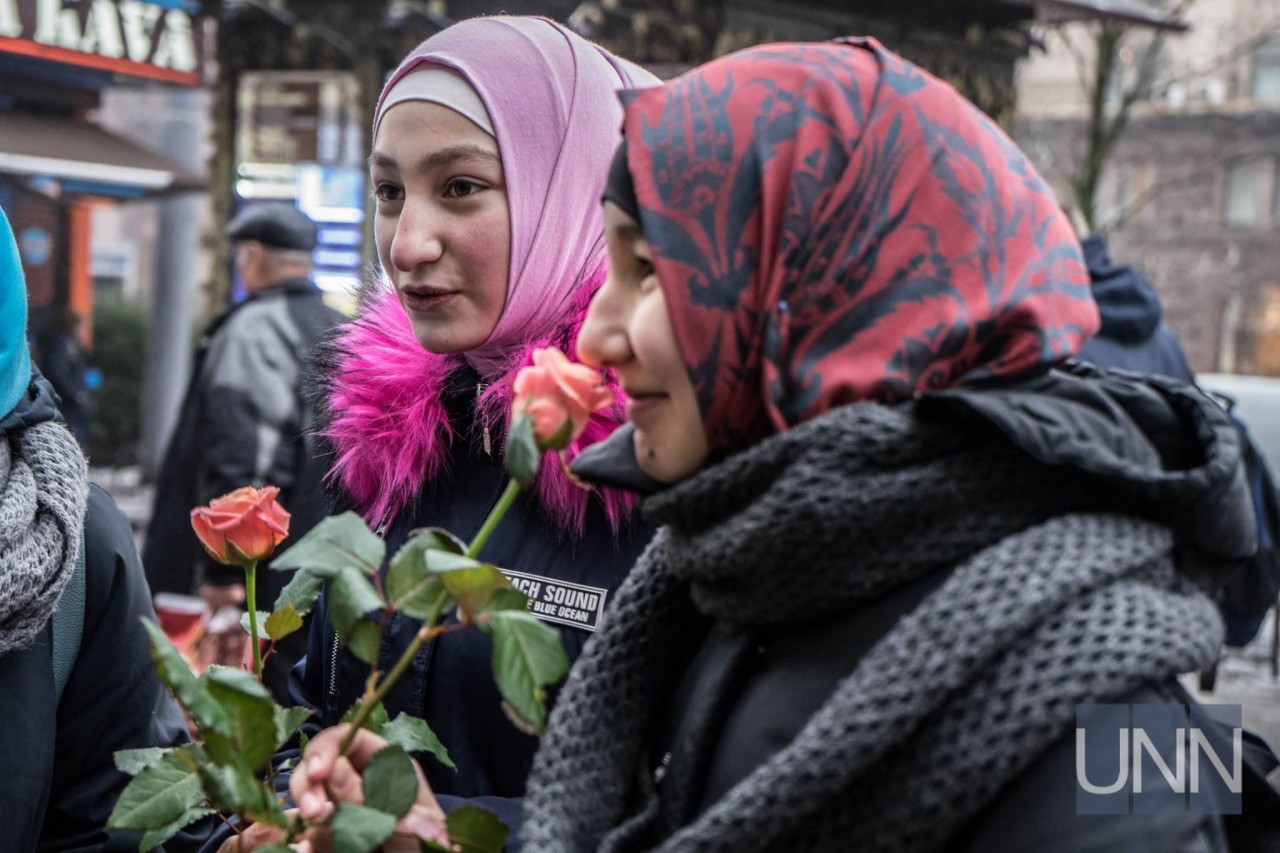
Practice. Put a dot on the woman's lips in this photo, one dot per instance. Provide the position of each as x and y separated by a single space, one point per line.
639 404
425 300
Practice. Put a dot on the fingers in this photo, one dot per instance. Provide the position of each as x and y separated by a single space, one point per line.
257 835
307 784
344 784
422 822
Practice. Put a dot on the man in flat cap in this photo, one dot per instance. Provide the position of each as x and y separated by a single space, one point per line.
243 421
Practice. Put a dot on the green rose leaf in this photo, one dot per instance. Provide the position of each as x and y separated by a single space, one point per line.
445 541
390 784
416 736
411 589
476 830
301 591
282 623
287 722
440 561
339 542
167 793
153 838
473 589
507 598
251 739
189 690
351 597
365 641
522 452
375 722
527 656
359 829
237 789
134 761
244 623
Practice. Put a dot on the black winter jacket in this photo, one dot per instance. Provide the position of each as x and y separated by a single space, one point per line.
450 684
793 669
61 782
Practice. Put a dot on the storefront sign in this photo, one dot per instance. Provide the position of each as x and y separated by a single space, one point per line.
142 39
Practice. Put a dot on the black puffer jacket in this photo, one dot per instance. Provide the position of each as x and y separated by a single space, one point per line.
61 782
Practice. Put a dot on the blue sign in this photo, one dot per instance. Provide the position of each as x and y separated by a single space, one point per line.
35 244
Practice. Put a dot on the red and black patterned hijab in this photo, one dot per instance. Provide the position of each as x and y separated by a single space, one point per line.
832 224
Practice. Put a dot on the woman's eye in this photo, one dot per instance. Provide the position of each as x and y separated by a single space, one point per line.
461 188
387 192
646 267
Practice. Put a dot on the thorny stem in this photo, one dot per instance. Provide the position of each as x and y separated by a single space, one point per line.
427 632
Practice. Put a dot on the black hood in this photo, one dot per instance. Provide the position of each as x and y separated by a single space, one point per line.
1157 448
1127 302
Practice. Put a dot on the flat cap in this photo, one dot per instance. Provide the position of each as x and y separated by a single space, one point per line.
275 224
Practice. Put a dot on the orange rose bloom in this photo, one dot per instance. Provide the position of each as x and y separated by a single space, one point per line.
559 396
241 527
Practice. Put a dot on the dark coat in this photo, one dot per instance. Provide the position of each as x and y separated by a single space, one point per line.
243 423
61 781
450 684
1133 335
736 677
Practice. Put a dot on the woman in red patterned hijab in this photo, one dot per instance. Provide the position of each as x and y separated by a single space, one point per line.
856 234
901 543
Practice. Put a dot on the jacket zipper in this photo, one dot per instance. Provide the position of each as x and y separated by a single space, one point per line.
333 674
333 654
488 443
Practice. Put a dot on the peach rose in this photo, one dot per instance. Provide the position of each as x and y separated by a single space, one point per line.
559 396
241 527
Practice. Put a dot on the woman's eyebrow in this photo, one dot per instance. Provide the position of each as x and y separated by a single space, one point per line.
445 156
436 159
379 160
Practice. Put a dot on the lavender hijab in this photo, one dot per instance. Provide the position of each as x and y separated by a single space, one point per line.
552 99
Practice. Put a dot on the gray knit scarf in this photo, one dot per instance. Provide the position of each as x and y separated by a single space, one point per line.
43 491
1049 603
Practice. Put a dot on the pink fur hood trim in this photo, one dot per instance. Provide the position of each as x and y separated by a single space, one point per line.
390 430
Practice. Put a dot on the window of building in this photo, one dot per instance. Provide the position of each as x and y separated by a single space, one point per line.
1127 193
1247 192
1266 72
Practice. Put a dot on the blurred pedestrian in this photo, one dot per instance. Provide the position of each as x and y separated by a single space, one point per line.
243 421
76 679
56 350
1133 336
901 543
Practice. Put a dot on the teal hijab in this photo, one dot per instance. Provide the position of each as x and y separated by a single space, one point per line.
15 361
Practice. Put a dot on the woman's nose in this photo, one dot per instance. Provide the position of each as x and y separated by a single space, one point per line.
602 341
417 239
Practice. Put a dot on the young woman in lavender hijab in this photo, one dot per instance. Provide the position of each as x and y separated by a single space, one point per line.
902 542
490 147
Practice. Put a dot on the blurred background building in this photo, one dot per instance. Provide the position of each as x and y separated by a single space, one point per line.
1185 183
